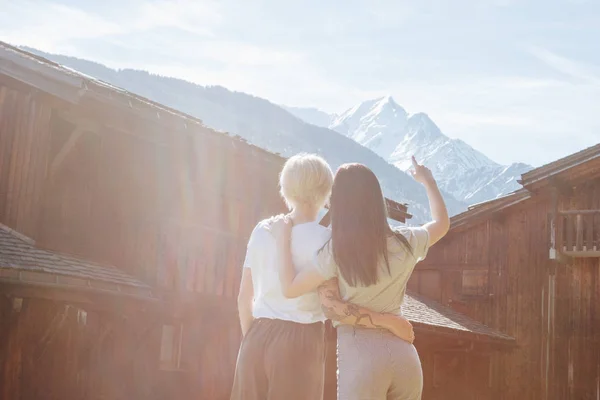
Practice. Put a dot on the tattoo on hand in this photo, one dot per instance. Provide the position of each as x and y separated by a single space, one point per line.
349 310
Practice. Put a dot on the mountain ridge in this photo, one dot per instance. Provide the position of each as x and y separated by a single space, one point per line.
262 123
389 130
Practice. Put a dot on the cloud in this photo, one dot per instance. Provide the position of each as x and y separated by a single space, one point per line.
50 26
194 16
566 66
457 61
54 27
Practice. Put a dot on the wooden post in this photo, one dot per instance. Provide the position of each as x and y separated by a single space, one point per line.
578 232
589 234
10 388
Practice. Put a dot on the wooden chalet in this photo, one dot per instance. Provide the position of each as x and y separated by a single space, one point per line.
123 227
528 265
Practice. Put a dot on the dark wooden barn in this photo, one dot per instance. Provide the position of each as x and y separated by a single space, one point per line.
153 210
123 230
528 265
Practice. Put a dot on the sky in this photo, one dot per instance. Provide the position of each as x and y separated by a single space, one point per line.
518 80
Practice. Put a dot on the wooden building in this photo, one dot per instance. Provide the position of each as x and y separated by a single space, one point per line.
528 265
123 227
138 196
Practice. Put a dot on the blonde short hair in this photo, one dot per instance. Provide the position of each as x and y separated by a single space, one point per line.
305 179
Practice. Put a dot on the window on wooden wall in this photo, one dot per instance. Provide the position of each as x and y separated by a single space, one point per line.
474 283
170 347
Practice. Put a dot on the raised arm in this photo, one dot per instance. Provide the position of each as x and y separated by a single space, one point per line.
347 313
440 223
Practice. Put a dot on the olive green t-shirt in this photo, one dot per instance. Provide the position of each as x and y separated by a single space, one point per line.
387 295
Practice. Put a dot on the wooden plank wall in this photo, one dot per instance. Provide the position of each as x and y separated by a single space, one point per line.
172 208
551 309
65 352
575 345
24 133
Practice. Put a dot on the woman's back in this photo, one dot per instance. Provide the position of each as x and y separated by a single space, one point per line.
387 294
374 364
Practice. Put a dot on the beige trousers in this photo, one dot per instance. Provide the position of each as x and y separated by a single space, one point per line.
373 364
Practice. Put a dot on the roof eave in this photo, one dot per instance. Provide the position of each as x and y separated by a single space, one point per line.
482 338
548 171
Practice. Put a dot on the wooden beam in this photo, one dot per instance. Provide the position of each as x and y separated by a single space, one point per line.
10 381
65 150
87 299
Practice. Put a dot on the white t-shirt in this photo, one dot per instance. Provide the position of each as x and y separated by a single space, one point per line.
262 259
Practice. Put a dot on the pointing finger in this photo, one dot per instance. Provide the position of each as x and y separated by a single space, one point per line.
414 162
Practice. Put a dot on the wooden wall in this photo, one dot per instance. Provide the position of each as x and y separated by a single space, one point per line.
24 135
173 206
552 309
53 350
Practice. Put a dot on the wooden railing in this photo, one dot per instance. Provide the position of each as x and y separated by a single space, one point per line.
579 233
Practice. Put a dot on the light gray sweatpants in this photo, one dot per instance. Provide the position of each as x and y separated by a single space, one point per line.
373 364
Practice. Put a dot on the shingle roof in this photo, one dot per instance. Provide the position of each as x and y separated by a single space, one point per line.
422 311
22 262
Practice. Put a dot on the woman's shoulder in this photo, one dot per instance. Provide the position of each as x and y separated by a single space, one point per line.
405 231
415 237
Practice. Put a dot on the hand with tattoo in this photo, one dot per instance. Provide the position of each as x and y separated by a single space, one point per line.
339 310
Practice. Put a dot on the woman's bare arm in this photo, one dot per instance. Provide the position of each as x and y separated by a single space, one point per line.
308 280
245 301
346 313
440 223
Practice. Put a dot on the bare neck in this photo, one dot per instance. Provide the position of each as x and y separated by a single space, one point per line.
303 214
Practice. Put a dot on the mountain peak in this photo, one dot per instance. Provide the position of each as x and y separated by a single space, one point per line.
383 102
387 99
421 117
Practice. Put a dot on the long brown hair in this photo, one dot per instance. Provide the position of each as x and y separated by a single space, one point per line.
359 225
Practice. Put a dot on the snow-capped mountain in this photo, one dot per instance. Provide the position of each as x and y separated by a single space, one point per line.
386 128
263 124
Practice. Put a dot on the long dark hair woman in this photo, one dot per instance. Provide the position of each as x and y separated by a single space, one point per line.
370 263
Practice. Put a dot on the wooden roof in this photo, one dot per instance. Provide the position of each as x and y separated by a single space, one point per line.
485 209
397 211
21 262
431 315
72 86
576 165
581 165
